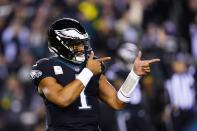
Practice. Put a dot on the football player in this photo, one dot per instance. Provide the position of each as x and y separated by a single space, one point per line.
71 82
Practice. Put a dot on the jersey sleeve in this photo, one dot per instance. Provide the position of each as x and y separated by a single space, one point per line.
40 70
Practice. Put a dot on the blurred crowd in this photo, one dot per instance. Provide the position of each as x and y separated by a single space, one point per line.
166 29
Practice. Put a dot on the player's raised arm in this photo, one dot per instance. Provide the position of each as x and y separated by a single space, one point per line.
59 95
118 99
140 68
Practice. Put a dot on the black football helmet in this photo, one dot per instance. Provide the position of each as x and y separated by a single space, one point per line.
65 33
127 53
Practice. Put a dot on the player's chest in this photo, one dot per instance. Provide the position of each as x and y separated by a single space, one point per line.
65 75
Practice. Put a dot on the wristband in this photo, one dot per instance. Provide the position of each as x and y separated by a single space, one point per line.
84 76
128 86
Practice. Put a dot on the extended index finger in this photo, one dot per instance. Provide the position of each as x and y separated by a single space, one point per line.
91 55
153 60
103 59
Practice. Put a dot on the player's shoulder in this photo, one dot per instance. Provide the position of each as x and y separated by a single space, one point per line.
44 62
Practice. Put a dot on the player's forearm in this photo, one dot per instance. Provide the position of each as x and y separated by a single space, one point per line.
64 96
108 94
118 105
128 87
113 100
122 97
59 95
70 93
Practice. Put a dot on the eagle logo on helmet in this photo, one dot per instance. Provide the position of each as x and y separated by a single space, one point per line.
71 33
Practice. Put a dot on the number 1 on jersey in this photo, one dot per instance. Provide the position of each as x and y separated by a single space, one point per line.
83 99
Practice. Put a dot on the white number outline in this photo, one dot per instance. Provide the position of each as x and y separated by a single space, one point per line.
83 101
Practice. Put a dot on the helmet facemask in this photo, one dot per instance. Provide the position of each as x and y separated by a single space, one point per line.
80 51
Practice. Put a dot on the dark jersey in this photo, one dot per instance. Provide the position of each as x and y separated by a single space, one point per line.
81 115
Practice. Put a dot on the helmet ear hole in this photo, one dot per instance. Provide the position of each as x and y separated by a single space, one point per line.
66 32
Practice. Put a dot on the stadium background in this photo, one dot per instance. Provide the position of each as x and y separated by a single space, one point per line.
160 28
